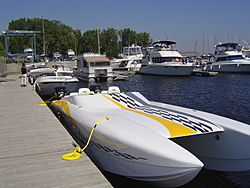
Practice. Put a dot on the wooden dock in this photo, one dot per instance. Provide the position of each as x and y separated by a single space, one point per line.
32 142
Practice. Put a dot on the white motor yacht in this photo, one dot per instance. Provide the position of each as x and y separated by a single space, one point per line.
131 59
229 58
93 67
162 59
161 144
44 84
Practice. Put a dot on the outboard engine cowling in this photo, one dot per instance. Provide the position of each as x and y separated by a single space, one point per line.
60 91
96 88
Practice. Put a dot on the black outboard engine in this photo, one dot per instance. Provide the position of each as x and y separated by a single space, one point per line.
60 92
96 88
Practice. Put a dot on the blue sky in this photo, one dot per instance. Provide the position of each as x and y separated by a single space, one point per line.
188 22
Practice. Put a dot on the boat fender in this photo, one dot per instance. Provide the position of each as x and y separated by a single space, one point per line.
78 151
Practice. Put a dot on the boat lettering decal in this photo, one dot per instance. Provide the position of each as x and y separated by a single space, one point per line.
115 152
177 125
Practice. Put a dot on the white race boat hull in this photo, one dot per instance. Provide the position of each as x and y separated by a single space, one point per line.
149 141
224 151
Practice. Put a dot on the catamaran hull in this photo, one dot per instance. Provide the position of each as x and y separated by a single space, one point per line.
151 141
164 164
212 150
223 151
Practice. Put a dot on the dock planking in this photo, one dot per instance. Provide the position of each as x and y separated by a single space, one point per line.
32 141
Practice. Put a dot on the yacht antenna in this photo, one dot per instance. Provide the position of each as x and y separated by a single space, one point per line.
166 36
245 42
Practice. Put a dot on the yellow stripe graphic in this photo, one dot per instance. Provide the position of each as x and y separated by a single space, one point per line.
175 129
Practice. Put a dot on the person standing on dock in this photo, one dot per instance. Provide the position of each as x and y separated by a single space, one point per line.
24 75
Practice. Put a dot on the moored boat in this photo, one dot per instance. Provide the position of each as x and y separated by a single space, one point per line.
45 83
93 67
229 58
162 144
131 59
162 59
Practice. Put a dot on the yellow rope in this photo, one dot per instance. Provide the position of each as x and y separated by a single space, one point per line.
78 151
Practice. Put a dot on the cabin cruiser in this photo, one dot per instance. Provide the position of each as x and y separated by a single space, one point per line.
57 55
229 58
93 67
158 143
45 83
62 69
70 53
162 59
35 70
29 52
131 59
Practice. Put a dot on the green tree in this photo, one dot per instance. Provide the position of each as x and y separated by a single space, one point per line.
143 39
109 42
2 50
128 37
58 37
77 39
89 41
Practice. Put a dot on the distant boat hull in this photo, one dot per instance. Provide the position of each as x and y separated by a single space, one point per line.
230 67
168 70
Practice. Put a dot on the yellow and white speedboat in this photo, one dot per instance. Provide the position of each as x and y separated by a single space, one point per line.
149 141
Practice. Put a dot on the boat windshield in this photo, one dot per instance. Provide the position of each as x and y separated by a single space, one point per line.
229 58
166 59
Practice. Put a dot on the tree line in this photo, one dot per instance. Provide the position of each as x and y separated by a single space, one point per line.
60 37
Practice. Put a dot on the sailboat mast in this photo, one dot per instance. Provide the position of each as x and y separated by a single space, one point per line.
98 40
44 43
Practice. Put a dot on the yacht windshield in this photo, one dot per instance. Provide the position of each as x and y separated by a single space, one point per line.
166 59
229 58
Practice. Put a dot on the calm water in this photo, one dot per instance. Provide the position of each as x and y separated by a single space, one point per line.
226 94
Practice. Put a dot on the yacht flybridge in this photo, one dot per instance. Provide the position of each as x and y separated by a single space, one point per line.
149 141
229 58
162 59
